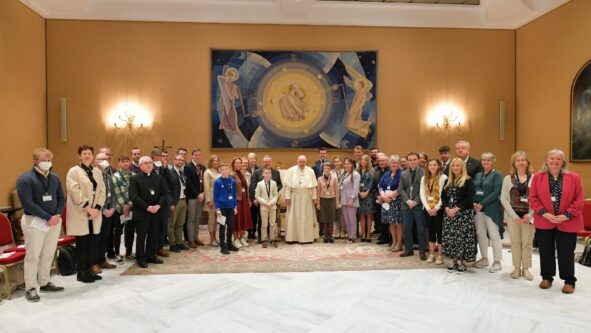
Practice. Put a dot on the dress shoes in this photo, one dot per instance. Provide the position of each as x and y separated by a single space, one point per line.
94 275
193 245
198 242
407 254
568 288
174 248
85 277
32 296
383 241
162 253
130 256
154 261
224 250
422 256
106 265
51 288
331 240
545 284
182 247
232 248
118 259
142 264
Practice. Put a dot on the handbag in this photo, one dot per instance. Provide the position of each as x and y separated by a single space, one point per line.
586 257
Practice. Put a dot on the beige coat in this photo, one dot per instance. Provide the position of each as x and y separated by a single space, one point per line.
263 198
79 192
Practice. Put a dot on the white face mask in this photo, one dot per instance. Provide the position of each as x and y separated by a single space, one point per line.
44 165
104 164
157 163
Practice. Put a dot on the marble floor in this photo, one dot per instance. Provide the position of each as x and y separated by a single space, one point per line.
366 301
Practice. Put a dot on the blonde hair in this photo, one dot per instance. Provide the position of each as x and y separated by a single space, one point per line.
210 161
367 160
552 152
37 153
457 181
519 153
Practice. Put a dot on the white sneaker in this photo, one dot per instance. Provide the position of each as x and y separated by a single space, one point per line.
237 243
244 242
214 243
494 268
481 263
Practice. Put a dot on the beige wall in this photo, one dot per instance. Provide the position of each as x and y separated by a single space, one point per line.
165 66
550 52
22 91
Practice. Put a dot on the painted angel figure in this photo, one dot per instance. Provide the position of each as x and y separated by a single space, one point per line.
292 105
229 94
362 87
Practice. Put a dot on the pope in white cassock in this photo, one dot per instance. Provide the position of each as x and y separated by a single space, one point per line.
300 198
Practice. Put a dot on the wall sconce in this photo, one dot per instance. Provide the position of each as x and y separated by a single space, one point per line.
446 116
130 116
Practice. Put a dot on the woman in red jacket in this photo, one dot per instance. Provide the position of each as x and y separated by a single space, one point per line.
556 197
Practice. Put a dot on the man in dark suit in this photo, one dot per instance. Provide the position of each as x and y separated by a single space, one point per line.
161 168
374 156
255 178
194 172
473 166
445 158
147 191
412 208
254 210
318 165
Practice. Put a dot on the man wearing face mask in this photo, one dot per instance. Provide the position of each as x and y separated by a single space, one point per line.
42 198
161 168
108 211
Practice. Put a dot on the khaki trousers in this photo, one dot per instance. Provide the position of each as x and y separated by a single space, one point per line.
487 229
40 248
269 219
522 238
176 223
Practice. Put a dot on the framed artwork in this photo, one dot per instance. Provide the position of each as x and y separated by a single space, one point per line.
293 99
581 116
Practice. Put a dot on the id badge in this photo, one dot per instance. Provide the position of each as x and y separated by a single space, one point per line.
430 198
388 188
479 193
243 190
109 195
341 187
230 197
152 192
553 199
47 198
524 199
201 180
411 189
327 193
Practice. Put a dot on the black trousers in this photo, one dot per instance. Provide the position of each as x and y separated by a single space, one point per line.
163 227
255 215
226 230
146 243
434 226
382 229
552 242
105 238
117 233
129 235
86 249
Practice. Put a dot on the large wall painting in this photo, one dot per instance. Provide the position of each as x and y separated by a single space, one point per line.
293 99
581 115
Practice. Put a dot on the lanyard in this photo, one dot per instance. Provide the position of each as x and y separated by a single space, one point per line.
327 180
484 177
268 187
44 181
431 184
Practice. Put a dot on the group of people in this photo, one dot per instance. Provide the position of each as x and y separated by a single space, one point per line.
450 206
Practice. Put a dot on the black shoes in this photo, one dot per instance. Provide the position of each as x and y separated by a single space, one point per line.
452 268
224 250
408 254
95 276
382 242
142 264
174 248
130 257
154 261
51 288
325 240
423 256
232 248
182 247
85 277
331 240
32 296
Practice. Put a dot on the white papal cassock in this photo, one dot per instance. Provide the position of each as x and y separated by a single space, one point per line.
300 188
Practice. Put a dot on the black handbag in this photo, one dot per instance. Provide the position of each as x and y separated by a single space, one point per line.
586 257
66 260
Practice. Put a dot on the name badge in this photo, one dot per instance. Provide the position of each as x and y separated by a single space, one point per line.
430 198
479 193
47 198
327 193
230 197
152 192
411 189
388 188
553 199
341 187
524 199
109 195
201 180
243 190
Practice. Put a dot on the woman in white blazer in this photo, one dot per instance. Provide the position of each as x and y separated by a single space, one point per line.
86 196
431 186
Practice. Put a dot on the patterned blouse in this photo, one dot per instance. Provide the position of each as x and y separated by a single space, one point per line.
556 193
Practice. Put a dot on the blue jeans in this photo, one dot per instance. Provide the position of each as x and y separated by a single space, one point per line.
409 217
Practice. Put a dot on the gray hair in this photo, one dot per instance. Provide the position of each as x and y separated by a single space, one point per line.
394 158
488 156
552 152
464 142
145 159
